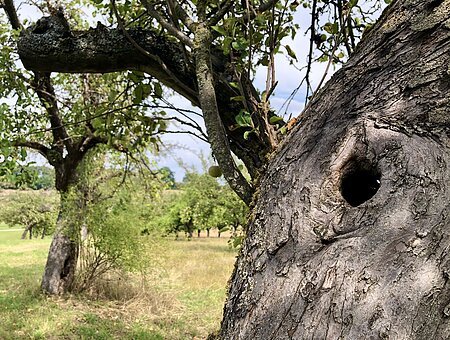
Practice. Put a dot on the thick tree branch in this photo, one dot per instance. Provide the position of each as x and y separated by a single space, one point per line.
46 93
41 148
104 50
101 50
216 132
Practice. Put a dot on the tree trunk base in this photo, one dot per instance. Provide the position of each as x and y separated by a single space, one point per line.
60 268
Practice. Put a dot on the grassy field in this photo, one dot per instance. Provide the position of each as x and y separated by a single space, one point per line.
181 296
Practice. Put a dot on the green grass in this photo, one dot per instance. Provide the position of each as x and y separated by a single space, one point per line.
181 297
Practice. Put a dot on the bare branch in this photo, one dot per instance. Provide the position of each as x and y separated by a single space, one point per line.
184 132
12 14
187 89
311 47
41 148
180 13
46 93
169 27
193 125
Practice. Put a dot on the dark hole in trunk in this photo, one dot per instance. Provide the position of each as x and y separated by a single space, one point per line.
66 267
360 181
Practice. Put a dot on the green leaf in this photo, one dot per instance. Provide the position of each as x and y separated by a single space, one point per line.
275 119
227 45
290 52
220 30
240 45
237 98
332 28
158 90
23 153
234 85
138 94
243 119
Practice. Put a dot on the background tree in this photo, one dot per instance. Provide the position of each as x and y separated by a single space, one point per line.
37 215
200 203
167 176
75 114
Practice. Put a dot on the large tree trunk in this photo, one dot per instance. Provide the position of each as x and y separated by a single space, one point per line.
62 257
63 253
350 235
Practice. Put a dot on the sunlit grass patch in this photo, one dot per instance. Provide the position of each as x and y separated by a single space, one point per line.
180 296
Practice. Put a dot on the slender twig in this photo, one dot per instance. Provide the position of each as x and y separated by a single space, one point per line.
149 55
12 14
311 48
168 26
183 132
182 15
195 126
223 10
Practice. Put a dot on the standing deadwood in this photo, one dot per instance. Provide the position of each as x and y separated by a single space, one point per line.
351 232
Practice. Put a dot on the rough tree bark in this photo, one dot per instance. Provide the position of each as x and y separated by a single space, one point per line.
350 236
62 257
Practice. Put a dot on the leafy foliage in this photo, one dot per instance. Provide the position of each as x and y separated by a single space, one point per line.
200 203
31 177
120 110
113 218
35 213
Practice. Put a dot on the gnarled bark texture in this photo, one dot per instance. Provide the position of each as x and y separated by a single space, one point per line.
350 236
62 259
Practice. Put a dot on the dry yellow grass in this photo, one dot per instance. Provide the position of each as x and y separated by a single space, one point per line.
180 297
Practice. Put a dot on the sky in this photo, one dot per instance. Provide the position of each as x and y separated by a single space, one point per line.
186 149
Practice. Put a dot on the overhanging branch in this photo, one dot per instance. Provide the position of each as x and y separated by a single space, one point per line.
41 148
101 50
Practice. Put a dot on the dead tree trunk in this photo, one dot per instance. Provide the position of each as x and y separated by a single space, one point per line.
350 235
